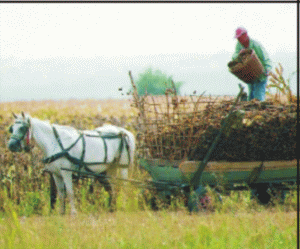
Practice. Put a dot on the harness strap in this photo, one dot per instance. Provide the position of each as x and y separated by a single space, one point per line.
80 162
120 149
64 151
121 146
128 152
52 158
105 150
57 138
83 149
60 143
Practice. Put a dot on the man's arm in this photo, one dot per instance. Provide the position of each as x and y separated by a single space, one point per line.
263 57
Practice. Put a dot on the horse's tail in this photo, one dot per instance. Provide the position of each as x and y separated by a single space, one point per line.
128 148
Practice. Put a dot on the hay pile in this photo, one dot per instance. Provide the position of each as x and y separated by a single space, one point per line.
268 132
177 128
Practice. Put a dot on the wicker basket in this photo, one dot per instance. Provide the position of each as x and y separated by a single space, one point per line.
247 67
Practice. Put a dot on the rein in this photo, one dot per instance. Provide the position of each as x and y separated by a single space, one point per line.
80 162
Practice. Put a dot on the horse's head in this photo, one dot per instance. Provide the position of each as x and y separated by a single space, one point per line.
20 133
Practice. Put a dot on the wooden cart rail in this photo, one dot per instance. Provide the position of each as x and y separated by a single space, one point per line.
191 166
226 173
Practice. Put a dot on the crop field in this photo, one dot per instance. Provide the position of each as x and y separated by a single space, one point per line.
26 220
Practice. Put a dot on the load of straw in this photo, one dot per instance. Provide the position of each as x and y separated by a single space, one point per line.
183 128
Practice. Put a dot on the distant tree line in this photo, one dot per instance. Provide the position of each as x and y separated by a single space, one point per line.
155 82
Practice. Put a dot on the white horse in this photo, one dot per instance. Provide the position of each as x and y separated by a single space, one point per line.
105 149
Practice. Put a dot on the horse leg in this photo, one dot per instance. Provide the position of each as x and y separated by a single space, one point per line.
60 186
67 177
53 192
111 188
111 199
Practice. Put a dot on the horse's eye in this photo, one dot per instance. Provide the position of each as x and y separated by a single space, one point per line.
10 129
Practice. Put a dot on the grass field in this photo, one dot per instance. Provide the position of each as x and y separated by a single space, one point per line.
147 229
26 220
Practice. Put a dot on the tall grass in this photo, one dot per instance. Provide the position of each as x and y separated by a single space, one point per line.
238 222
148 229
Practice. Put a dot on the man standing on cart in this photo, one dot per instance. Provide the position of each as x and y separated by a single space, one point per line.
256 89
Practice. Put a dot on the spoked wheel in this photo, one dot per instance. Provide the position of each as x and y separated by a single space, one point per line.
266 194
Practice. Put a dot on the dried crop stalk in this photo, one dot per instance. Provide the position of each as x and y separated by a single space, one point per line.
185 127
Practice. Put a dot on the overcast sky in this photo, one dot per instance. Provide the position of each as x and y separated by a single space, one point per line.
32 31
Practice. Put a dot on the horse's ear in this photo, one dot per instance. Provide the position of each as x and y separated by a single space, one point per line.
23 115
10 129
15 116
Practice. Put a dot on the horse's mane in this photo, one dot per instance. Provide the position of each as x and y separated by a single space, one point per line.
64 127
60 127
46 122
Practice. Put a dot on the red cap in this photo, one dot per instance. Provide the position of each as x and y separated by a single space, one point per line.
239 32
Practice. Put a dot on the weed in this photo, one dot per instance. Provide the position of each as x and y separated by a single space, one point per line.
281 86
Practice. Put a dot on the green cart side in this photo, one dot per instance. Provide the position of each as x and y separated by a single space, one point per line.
257 176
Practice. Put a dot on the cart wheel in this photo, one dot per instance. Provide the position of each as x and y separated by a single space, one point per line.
260 192
266 194
196 204
198 200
